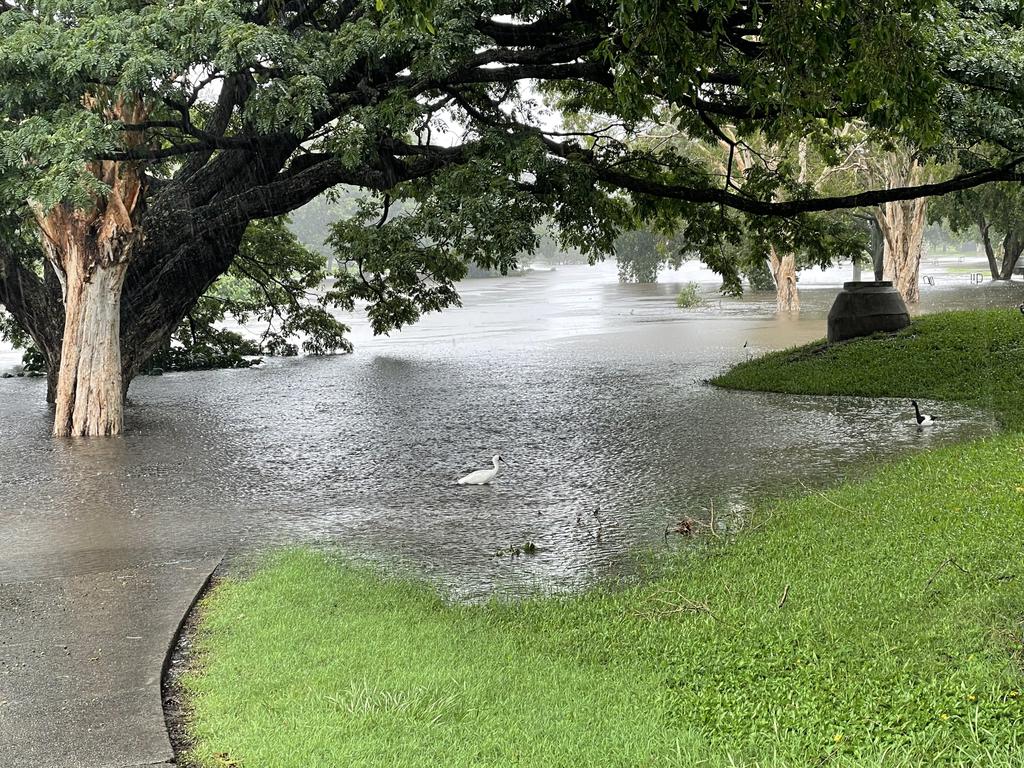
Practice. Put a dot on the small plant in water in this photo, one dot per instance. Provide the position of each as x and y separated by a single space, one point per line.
595 531
513 551
689 296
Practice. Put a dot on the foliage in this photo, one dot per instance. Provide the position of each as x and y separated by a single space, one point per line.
250 111
760 277
689 296
740 245
273 282
641 253
206 348
549 251
995 214
13 333
311 224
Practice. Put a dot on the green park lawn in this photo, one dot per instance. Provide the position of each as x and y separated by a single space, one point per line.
878 623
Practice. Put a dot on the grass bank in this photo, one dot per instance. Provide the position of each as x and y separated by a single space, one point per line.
974 357
876 624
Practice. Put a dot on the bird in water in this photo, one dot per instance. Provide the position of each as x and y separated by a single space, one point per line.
923 419
483 476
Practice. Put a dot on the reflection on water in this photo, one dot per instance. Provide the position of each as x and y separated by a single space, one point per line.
592 391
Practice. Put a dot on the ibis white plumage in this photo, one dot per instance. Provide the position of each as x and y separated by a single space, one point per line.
483 476
923 419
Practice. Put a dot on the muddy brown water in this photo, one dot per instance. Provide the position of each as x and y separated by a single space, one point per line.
592 390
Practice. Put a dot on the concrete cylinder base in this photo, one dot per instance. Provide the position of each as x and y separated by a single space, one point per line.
863 308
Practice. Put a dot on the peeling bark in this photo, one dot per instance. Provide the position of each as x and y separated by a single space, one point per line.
787 298
902 224
89 250
90 263
89 392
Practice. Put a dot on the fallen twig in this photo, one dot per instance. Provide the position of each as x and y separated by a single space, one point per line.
686 605
826 498
943 564
785 594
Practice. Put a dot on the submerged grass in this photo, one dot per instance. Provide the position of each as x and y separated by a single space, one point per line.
875 624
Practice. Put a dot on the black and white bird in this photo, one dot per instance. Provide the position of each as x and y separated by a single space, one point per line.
1021 308
923 419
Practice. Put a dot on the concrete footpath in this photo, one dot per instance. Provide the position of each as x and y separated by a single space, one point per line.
81 656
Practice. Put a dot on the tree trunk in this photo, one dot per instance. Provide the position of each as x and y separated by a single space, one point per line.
990 254
90 392
902 224
877 249
163 283
89 249
52 375
787 298
1013 245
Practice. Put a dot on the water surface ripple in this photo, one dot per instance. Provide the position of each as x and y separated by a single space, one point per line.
593 391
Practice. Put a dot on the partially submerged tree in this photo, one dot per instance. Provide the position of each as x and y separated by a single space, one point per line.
141 139
996 213
900 222
641 253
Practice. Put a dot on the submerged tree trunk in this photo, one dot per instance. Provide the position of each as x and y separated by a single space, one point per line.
89 249
90 255
1013 245
90 392
52 375
990 254
787 298
902 223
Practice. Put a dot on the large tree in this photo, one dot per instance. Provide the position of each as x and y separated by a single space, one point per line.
140 138
996 213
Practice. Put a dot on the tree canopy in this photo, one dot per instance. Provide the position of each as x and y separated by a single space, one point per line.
996 213
148 136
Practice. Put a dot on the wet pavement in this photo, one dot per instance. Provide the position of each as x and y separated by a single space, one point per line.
593 391
80 664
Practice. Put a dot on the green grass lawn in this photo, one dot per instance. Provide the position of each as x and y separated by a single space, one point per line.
975 357
875 624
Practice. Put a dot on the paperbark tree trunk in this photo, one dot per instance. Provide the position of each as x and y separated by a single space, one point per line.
1013 246
89 248
902 224
787 298
90 392
90 252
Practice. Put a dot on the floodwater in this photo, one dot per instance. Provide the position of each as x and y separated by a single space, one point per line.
592 390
